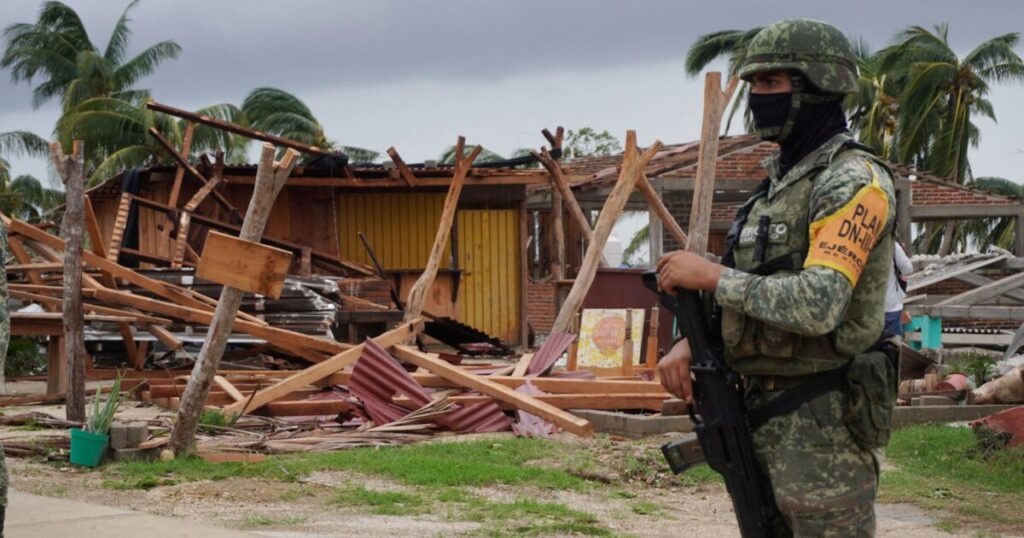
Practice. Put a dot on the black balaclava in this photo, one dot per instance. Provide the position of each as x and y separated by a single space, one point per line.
799 121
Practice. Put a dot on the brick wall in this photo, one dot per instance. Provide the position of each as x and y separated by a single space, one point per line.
934 193
540 306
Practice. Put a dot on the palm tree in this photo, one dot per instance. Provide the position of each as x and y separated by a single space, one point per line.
710 47
58 49
874 109
24 197
278 112
941 92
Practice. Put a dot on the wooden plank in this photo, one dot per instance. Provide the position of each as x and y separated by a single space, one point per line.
179 172
418 293
56 371
403 169
181 240
707 160
120 221
227 387
164 336
191 169
324 369
633 165
139 358
484 385
245 265
978 281
652 340
1007 313
93 227
655 202
985 292
54 301
236 129
560 183
928 280
649 401
522 365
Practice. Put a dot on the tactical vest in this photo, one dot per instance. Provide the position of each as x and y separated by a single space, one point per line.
773 239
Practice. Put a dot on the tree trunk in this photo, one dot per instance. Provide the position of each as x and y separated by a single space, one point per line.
270 177
71 171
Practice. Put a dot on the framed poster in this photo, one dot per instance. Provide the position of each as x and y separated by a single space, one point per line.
603 334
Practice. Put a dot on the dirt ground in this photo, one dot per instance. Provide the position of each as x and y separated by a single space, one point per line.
307 508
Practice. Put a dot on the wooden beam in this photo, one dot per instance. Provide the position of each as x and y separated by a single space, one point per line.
244 264
124 207
169 149
93 227
179 172
522 365
403 169
939 276
994 313
227 387
566 421
322 370
418 292
559 182
164 336
649 401
633 165
270 179
236 129
715 101
56 370
181 240
655 202
977 280
988 291
962 211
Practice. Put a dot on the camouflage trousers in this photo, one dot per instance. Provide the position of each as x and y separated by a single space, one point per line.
824 483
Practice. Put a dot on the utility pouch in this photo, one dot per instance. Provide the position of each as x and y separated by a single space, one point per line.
870 380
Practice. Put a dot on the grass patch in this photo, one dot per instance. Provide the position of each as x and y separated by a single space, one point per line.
213 417
474 463
30 425
389 503
526 517
940 468
645 508
260 520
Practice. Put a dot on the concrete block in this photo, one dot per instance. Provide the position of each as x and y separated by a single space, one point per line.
135 454
935 400
128 434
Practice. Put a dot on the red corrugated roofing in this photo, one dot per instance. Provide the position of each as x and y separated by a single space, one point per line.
554 345
377 378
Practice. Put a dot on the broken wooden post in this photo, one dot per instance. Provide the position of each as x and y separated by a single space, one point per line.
633 164
418 293
270 178
71 169
715 101
561 184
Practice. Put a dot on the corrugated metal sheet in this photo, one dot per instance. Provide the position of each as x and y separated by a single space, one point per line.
377 378
554 345
400 227
489 254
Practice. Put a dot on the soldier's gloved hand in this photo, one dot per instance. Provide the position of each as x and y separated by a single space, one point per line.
674 371
681 269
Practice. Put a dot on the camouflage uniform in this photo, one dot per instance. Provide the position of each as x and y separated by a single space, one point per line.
819 305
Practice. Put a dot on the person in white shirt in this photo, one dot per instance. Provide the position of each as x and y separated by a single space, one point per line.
896 290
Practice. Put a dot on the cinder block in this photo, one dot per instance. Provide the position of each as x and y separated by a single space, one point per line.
135 454
128 434
935 400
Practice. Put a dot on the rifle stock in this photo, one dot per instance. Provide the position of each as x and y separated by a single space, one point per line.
719 415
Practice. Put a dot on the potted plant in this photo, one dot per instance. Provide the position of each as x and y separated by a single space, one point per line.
90 443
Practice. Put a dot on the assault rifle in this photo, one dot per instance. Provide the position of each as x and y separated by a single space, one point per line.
719 417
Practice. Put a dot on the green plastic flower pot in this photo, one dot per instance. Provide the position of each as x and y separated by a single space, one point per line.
87 448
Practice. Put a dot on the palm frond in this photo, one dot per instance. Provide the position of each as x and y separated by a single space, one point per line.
118 41
145 63
19 143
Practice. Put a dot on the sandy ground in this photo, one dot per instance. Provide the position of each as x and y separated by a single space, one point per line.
308 503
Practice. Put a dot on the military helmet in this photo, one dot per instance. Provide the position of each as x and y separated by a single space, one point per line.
816 49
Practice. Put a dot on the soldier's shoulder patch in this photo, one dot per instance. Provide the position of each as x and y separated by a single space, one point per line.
844 240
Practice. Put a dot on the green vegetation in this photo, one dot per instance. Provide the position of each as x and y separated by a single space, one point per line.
474 463
940 468
213 417
389 503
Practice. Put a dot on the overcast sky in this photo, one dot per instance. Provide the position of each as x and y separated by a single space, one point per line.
417 74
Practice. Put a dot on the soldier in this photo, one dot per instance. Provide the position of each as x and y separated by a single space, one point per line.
801 287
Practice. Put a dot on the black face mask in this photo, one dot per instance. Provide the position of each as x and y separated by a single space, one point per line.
770 111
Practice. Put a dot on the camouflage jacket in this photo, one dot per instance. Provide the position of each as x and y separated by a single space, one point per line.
833 214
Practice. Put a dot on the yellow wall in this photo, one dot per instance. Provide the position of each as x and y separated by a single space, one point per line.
401 229
489 255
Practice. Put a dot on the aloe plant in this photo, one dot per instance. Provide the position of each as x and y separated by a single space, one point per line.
100 419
